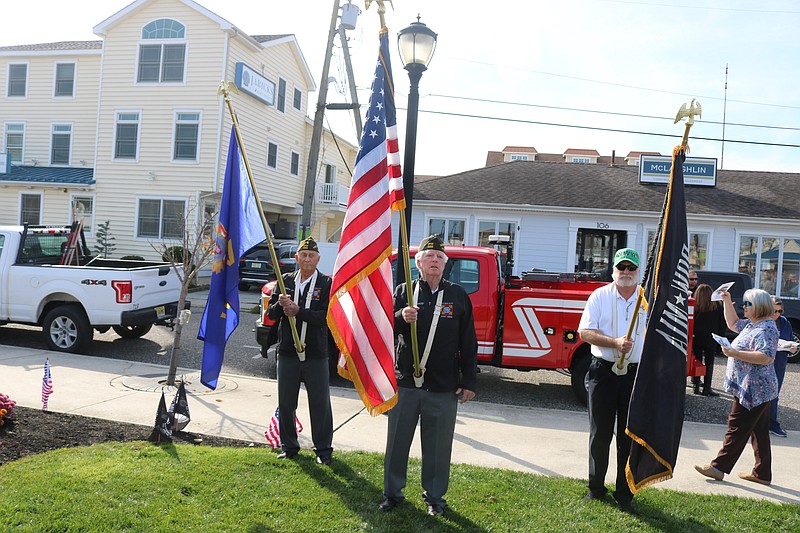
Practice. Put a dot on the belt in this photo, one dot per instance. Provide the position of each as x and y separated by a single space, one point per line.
631 366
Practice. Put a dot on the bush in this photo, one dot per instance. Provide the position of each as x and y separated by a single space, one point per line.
6 408
132 258
177 254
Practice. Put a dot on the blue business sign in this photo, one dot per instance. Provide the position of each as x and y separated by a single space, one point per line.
254 84
696 170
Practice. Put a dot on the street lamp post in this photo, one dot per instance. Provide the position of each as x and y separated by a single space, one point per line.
416 43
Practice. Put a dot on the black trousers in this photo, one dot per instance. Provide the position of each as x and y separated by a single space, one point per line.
609 397
314 373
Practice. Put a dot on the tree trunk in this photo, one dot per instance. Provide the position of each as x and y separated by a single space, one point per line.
176 341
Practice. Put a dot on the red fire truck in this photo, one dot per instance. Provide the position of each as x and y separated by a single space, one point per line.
525 323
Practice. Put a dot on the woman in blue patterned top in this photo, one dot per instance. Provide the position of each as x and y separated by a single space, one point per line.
750 378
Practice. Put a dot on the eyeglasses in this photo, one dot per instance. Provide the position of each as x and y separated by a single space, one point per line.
779 311
692 279
747 304
629 268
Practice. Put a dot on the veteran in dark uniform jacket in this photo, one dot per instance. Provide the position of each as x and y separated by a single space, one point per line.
448 350
306 299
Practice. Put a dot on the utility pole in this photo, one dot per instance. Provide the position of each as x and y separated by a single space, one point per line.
348 65
316 135
319 115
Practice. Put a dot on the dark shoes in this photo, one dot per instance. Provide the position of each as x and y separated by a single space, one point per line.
434 509
388 505
323 459
710 393
626 506
286 455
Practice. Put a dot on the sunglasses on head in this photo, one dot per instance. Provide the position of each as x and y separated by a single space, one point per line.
629 268
747 304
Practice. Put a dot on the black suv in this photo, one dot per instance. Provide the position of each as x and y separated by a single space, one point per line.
255 267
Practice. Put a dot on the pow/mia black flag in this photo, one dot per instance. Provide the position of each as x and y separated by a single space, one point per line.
163 425
655 416
179 410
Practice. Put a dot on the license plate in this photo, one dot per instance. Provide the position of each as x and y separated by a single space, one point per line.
160 311
255 265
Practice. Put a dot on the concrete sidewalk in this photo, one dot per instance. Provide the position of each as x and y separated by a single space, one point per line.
539 441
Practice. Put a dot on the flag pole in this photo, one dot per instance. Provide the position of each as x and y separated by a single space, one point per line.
403 253
636 307
224 90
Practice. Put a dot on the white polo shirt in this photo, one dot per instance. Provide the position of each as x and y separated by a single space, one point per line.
599 315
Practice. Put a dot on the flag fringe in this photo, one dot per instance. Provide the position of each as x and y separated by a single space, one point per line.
655 478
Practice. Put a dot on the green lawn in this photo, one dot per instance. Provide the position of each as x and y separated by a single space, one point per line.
143 487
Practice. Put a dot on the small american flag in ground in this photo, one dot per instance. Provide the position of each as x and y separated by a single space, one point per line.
273 432
47 384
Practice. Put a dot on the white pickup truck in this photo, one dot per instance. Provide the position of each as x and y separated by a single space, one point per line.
70 301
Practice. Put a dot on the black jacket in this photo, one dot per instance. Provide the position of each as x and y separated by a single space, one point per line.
453 359
315 316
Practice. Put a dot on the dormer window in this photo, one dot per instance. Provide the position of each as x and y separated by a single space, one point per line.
518 157
162 58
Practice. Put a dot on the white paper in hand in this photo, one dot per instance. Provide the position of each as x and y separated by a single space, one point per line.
716 296
722 341
785 346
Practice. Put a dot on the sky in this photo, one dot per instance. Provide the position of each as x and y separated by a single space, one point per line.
608 75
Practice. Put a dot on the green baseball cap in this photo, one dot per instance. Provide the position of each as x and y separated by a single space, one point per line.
626 254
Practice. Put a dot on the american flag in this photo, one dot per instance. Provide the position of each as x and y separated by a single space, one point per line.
361 315
47 384
273 432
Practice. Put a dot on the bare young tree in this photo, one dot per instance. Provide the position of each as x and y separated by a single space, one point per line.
187 255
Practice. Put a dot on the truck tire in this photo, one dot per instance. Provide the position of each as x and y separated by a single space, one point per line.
244 287
579 373
132 332
66 329
794 357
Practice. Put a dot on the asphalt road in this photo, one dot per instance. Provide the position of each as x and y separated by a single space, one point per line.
543 388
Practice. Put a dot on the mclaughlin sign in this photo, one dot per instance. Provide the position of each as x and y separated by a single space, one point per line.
696 170
254 84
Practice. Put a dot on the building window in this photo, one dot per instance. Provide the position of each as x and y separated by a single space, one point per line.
272 155
83 211
15 141
30 209
297 102
581 160
126 135
160 219
330 174
17 81
451 231
486 228
162 62
65 79
187 132
773 263
294 169
281 103
61 144
519 157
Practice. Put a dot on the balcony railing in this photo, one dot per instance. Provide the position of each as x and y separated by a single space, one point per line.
333 194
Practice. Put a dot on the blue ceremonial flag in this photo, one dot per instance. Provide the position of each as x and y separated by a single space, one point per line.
238 230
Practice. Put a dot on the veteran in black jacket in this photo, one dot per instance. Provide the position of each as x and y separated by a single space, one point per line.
306 299
448 350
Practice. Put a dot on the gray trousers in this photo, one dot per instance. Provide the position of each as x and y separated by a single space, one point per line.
436 414
314 373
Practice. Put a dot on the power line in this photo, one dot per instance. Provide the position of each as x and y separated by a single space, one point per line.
597 128
523 104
